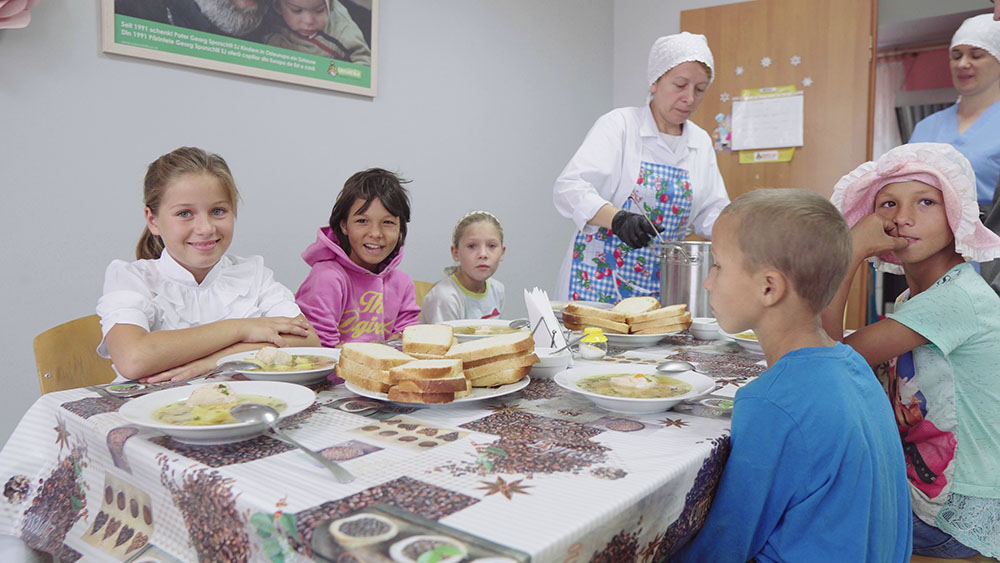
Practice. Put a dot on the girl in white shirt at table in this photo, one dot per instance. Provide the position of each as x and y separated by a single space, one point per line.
470 291
185 302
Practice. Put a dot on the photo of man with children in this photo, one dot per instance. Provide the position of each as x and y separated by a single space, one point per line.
814 439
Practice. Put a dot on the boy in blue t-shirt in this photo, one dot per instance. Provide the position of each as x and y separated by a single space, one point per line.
816 471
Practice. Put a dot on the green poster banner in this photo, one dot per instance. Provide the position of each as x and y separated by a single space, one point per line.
161 37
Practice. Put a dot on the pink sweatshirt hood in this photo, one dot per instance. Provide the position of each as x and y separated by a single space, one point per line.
327 247
347 303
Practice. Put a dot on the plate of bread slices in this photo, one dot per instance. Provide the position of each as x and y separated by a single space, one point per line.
634 322
433 369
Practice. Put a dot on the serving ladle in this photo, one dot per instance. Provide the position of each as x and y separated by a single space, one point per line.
255 412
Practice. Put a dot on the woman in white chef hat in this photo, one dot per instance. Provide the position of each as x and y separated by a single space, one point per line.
640 171
972 124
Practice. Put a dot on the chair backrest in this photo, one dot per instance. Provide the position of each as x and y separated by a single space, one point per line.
422 288
66 356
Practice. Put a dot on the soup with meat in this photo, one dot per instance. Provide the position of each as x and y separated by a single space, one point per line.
634 385
185 413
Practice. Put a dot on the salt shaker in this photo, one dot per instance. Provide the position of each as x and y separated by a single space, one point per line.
593 345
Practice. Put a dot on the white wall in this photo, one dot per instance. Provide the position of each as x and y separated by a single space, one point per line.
480 104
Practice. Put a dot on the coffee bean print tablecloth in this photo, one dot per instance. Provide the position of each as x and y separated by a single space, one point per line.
540 475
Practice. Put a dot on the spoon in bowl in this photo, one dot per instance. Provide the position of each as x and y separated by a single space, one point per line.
254 412
518 324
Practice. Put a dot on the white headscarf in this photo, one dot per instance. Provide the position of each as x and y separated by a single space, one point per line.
979 31
672 50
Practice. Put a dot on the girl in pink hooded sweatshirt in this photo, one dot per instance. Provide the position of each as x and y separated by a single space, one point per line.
354 292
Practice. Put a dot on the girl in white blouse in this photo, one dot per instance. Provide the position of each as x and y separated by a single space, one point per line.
185 302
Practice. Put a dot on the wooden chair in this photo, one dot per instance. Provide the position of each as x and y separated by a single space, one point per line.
422 289
66 356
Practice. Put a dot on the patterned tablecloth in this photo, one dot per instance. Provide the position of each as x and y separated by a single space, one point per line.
542 474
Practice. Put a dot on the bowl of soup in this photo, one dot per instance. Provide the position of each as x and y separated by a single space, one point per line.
199 413
303 365
634 389
472 329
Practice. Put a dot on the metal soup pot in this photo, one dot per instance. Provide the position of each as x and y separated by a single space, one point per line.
684 265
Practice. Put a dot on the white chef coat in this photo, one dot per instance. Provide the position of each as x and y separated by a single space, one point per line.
606 166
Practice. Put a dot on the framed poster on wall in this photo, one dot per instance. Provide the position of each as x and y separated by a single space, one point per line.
327 44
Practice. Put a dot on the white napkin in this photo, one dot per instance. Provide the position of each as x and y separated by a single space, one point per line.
540 310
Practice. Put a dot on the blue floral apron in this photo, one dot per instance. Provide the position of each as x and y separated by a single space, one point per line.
606 269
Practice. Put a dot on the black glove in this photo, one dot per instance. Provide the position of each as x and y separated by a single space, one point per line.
634 229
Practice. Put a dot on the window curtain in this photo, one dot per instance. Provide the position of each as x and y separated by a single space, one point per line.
889 78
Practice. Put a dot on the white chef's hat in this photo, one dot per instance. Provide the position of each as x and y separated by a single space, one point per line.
979 31
672 50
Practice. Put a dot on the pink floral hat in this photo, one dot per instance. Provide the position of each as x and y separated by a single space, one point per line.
938 165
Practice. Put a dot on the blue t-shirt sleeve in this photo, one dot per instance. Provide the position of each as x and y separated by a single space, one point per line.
757 484
944 314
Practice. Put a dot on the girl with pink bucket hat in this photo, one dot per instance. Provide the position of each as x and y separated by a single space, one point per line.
914 212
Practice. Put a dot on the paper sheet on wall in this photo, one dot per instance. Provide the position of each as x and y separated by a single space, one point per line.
540 311
768 120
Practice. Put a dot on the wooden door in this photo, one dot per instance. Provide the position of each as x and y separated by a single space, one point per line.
825 50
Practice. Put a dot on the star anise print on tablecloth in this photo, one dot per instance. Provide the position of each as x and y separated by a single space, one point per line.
506 408
671 422
62 435
503 487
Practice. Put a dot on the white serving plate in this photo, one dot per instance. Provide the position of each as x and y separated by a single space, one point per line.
140 411
477 394
499 323
700 385
549 363
302 377
748 344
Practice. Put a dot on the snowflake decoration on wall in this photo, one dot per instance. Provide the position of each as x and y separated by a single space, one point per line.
724 97
765 62
807 82
796 60
739 71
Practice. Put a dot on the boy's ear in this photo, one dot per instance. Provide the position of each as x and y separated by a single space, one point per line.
773 286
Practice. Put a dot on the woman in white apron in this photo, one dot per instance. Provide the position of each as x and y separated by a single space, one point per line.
640 171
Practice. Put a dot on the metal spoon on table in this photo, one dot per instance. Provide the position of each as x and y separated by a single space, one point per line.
233 366
518 324
254 412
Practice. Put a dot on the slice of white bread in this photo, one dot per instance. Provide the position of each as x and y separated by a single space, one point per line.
502 377
662 329
491 346
507 363
684 318
419 356
426 369
656 314
469 364
454 384
374 355
636 305
362 376
467 392
427 339
586 311
410 397
574 322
